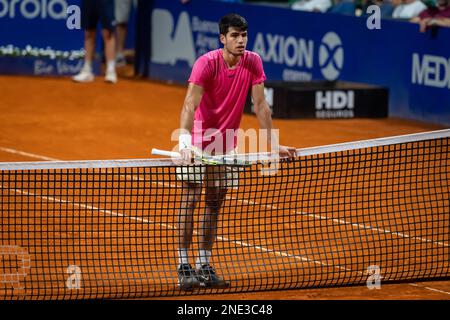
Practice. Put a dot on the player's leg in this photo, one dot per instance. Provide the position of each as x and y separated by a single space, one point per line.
192 192
214 198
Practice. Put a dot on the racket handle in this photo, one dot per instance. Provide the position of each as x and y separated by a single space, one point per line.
165 153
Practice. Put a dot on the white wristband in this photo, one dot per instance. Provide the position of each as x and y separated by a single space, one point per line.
184 141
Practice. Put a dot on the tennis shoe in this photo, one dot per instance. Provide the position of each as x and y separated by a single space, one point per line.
209 279
84 76
120 61
187 277
111 76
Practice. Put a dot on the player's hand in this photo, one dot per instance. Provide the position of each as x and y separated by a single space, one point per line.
288 153
187 156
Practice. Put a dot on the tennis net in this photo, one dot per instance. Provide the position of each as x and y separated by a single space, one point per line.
345 214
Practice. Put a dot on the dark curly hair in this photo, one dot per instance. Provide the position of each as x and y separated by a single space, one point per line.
232 20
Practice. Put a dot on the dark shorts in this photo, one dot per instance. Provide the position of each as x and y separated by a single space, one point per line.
93 11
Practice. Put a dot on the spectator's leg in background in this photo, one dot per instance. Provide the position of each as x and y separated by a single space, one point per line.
109 39
89 20
143 34
122 13
121 35
89 47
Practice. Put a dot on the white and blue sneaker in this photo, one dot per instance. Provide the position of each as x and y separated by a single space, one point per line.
187 277
209 279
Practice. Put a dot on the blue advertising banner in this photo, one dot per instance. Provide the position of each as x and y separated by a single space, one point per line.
304 46
35 38
39 23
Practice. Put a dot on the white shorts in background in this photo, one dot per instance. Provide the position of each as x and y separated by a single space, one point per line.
122 9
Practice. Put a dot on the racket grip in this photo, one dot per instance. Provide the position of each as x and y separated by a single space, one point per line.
165 153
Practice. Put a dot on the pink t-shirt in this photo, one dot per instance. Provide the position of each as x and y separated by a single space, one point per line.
225 93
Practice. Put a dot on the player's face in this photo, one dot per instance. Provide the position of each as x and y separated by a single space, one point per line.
235 41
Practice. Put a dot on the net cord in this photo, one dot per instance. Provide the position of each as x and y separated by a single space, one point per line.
252 157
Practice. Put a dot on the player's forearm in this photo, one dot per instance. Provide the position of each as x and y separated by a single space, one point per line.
186 124
191 102
187 117
264 116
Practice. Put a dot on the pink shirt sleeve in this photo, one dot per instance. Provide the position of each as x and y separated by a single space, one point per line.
201 72
258 71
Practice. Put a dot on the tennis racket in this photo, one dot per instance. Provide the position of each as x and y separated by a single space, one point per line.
212 161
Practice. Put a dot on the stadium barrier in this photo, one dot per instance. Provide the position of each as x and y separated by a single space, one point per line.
305 46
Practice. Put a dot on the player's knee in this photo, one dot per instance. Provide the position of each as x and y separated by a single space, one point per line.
188 206
213 205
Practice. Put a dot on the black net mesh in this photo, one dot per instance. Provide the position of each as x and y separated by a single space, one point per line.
327 219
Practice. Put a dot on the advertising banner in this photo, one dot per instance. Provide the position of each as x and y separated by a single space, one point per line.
36 37
306 46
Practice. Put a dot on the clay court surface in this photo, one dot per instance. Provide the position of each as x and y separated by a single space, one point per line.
48 118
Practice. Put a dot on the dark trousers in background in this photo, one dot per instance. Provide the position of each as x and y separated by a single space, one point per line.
143 41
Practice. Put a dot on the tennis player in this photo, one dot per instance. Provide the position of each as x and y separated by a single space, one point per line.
213 107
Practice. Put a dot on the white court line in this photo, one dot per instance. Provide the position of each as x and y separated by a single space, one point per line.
316 216
26 154
88 207
268 250
429 288
356 225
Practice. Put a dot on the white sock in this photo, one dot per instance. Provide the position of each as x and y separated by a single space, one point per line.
203 258
111 66
183 257
87 66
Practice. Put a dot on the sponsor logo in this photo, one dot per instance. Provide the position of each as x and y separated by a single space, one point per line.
431 71
57 67
331 56
181 40
298 53
285 50
335 104
184 38
34 9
